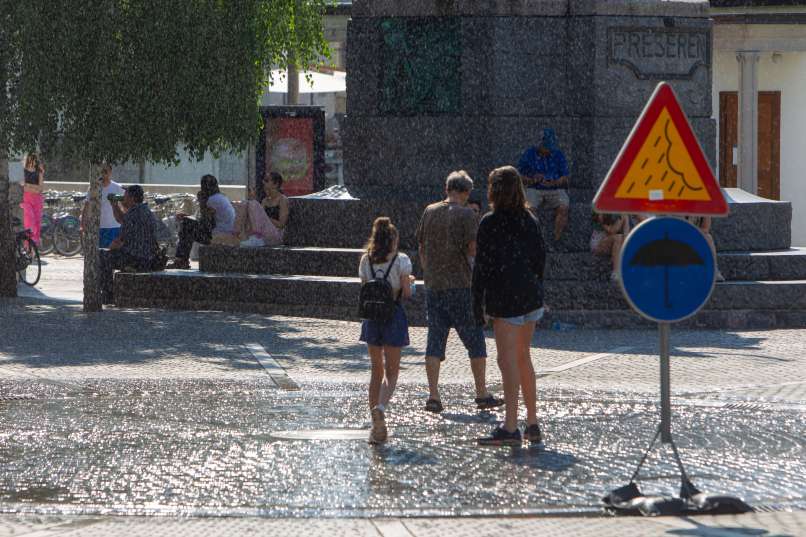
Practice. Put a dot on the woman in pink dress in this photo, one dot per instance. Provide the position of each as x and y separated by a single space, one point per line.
32 199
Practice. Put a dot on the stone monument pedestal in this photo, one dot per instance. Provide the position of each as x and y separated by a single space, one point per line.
440 85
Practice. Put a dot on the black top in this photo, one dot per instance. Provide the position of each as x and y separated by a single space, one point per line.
273 212
510 258
31 177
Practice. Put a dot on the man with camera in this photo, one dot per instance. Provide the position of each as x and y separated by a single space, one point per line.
136 247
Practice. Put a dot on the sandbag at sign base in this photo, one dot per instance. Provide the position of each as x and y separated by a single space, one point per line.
629 501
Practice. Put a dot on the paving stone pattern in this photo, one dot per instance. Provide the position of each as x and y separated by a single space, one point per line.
206 448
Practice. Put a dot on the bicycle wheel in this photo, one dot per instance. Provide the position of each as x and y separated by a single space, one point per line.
29 266
67 236
46 236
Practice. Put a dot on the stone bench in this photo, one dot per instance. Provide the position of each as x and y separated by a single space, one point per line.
739 304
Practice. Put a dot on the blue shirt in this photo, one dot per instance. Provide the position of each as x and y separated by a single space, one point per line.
552 166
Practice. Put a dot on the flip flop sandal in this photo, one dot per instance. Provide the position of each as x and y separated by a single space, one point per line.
433 405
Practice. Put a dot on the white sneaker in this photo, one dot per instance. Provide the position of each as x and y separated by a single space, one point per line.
253 242
614 276
719 276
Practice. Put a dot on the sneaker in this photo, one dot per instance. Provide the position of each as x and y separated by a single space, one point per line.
483 403
378 434
719 276
614 276
533 434
502 437
433 405
178 264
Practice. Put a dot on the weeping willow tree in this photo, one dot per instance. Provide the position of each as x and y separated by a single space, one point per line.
133 80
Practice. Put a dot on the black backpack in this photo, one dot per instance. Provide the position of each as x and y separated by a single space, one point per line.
375 302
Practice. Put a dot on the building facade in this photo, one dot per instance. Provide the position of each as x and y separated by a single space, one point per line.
759 100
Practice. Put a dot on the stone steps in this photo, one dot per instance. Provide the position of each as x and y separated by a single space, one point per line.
776 265
744 304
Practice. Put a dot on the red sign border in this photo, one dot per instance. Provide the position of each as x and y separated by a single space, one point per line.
605 200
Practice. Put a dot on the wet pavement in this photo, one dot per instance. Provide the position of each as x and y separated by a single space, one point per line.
224 448
204 413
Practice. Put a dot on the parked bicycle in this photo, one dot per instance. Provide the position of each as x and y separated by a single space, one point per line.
26 256
61 227
67 228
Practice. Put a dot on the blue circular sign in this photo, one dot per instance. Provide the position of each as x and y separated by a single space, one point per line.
667 269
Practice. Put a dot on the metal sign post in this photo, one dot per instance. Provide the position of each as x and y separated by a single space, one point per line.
668 268
665 386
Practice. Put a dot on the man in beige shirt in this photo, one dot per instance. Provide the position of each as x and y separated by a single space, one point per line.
447 237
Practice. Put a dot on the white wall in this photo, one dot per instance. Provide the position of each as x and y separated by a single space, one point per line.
788 75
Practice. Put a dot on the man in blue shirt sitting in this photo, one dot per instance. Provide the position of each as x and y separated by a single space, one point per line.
545 174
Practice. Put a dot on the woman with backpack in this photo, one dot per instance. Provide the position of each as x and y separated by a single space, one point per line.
385 280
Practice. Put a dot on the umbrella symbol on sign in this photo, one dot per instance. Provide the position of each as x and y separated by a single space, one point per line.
666 253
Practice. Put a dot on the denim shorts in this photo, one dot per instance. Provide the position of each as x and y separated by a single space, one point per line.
394 333
452 308
106 235
521 320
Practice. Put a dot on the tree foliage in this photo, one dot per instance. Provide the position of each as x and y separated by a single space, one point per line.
128 80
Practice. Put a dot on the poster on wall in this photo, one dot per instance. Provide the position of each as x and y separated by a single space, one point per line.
292 144
289 150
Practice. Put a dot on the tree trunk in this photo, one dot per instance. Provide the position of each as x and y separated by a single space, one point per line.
89 243
8 276
293 85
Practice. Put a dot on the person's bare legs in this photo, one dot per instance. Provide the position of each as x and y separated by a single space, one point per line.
527 372
432 364
615 252
391 369
479 368
506 342
710 239
376 375
560 221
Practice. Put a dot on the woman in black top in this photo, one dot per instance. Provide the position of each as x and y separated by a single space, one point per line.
275 203
508 288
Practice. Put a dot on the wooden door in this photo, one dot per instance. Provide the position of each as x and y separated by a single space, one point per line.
769 144
728 138
769 141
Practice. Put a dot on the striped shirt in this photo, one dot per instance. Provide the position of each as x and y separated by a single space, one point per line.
139 232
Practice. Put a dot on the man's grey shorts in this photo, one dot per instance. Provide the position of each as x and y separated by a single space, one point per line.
553 199
452 308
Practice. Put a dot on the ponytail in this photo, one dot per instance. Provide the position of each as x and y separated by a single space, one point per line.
382 240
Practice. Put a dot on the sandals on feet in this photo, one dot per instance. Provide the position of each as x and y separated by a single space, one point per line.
484 403
433 405
378 434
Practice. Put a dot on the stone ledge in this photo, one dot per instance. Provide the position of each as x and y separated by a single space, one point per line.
316 261
440 8
317 294
529 8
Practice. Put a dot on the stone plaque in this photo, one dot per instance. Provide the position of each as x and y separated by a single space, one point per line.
421 66
659 53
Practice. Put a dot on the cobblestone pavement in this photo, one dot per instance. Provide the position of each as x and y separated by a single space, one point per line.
175 413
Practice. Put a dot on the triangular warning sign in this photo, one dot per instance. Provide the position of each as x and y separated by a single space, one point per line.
661 169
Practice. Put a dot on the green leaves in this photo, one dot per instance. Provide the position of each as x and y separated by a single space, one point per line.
125 80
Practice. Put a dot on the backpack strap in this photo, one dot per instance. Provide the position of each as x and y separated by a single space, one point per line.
389 268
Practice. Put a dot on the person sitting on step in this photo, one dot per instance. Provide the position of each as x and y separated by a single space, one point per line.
136 246
216 220
609 232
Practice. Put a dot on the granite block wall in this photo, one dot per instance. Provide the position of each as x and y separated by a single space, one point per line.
585 68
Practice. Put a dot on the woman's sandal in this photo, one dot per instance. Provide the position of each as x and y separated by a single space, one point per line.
433 405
